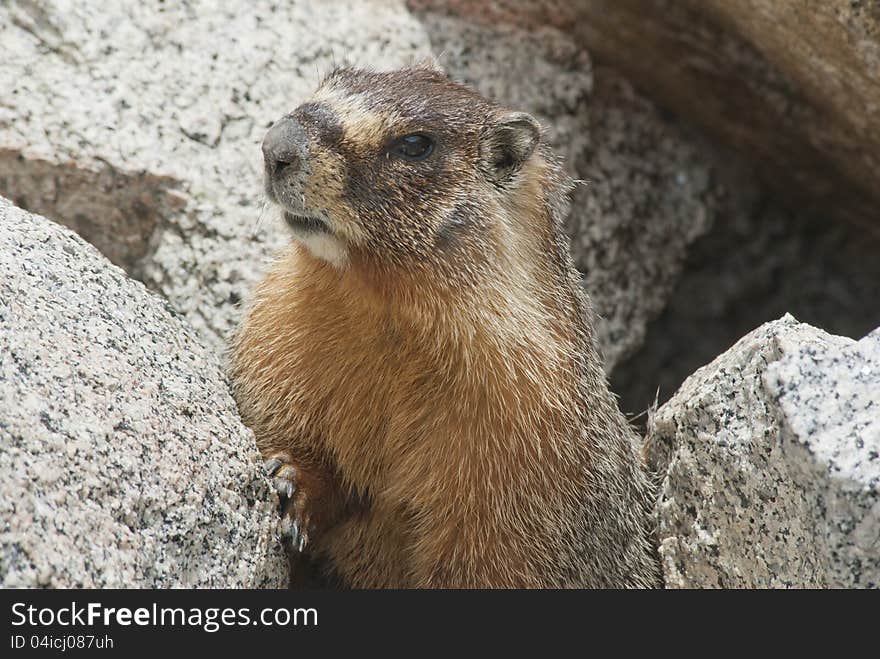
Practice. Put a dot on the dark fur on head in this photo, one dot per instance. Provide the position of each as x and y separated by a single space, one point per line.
388 211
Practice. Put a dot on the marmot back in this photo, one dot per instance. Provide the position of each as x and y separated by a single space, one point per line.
418 365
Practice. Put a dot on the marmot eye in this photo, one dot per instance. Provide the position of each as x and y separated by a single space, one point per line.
412 147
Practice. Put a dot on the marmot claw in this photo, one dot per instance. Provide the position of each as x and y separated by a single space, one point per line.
294 518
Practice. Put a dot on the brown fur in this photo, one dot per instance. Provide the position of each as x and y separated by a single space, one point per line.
441 389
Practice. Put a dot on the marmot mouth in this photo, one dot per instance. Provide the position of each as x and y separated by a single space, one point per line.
305 223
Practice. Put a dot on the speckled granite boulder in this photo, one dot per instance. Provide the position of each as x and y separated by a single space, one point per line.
138 125
770 464
123 461
828 396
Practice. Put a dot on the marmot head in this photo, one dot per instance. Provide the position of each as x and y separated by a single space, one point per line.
404 168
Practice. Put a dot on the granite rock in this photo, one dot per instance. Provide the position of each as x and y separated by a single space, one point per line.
769 464
138 125
123 461
828 397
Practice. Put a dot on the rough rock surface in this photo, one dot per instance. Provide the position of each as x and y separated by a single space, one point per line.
123 461
794 85
138 125
770 464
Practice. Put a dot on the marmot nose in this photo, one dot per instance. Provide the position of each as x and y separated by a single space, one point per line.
284 146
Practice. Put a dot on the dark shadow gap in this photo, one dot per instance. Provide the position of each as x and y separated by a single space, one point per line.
750 269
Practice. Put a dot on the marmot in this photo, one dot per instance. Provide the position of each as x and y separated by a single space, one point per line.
418 365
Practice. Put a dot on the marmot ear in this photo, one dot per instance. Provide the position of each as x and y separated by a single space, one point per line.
508 143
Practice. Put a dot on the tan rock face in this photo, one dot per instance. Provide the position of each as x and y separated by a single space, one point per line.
830 52
794 85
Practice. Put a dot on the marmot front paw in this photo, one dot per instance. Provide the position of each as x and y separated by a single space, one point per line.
292 486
